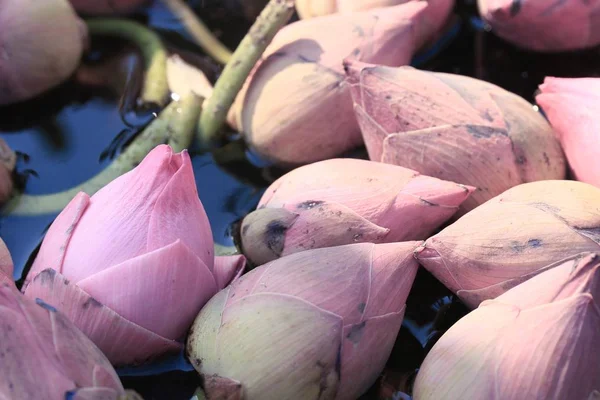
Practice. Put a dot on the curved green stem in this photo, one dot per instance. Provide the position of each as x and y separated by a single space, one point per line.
155 89
274 16
200 32
174 126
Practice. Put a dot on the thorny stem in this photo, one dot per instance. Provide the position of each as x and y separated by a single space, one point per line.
155 89
274 16
174 126
201 34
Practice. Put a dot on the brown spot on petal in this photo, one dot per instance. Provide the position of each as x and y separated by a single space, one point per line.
356 332
91 302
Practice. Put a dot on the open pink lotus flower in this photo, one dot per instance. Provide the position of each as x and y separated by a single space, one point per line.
132 265
453 127
344 201
319 324
44 356
295 107
573 108
538 341
544 25
107 7
513 237
6 264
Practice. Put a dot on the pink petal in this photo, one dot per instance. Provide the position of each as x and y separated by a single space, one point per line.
534 24
393 271
161 291
178 214
366 347
122 341
310 275
80 359
28 371
54 246
475 155
573 106
115 225
6 263
228 269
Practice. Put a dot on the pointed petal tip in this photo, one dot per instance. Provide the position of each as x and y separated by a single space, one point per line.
228 268
263 233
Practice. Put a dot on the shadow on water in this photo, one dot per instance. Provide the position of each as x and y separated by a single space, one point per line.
74 131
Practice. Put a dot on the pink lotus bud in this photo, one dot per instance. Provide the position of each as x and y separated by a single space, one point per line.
107 7
319 324
6 264
512 237
132 265
344 201
41 43
295 107
437 10
538 341
453 127
44 356
573 108
8 160
544 25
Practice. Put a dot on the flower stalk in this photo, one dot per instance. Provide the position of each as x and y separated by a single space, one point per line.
275 15
156 89
199 31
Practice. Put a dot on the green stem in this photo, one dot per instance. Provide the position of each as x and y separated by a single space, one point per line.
274 16
200 32
174 126
156 89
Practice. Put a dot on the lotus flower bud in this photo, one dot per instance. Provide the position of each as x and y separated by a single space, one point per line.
510 238
107 7
295 107
41 42
538 341
344 201
8 160
132 265
573 109
544 25
316 8
319 324
6 264
45 357
453 127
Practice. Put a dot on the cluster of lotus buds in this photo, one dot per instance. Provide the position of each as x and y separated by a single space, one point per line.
42 43
573 108
132 265
344 201
539 340
318 324
453 127
544 25
45 357
513 237
295 107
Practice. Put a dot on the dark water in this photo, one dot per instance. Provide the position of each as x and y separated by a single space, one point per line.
70 134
